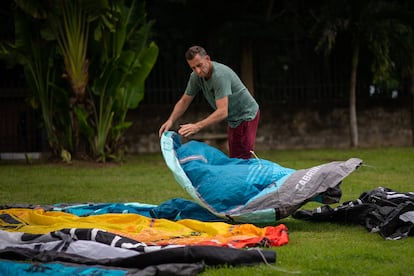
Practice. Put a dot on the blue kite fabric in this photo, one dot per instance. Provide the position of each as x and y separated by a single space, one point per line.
382 210
173 209
24 268
11 268
253 190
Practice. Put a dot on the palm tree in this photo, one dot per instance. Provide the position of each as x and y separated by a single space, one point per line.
368 24
68 24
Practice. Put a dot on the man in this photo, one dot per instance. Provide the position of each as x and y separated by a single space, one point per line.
227 95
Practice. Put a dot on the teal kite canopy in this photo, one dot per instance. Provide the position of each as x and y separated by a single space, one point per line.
253 190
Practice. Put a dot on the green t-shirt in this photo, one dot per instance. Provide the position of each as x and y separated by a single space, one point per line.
225 82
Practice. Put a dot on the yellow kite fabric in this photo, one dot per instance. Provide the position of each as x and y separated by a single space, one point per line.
147 230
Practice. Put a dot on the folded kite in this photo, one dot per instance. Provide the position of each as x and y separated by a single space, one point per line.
129 240
382 210
253 190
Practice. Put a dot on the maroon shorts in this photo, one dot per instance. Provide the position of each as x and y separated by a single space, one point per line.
242 138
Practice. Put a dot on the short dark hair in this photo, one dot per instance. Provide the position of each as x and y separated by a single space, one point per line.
193 51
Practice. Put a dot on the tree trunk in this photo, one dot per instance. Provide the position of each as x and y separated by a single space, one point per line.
247 66
352 96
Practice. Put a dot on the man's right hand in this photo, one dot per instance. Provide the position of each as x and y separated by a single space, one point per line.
165 127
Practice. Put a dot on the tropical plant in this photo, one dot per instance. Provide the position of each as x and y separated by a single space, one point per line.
68 24
122 66
115 36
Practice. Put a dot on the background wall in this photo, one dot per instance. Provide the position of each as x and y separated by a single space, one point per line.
287 128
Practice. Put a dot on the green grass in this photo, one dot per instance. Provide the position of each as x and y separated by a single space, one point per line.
313 248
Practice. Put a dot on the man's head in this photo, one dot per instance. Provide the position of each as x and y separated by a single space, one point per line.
199 61
193 51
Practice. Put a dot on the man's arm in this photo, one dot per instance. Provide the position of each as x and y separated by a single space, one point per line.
218 115
179 109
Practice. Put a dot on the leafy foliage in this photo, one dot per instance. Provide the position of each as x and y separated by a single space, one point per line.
50 37
119 82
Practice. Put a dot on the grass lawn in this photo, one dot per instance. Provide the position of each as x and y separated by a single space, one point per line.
313 248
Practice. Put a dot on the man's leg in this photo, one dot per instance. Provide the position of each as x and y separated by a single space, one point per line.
242 138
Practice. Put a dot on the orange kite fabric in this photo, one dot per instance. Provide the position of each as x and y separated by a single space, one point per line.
147 230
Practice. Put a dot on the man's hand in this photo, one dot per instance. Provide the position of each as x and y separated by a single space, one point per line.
188 129
165 127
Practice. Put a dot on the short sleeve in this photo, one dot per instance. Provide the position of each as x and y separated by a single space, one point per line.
222 87
193 86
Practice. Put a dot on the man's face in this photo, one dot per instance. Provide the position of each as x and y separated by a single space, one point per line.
200 65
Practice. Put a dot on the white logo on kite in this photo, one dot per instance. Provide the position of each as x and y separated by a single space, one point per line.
306 178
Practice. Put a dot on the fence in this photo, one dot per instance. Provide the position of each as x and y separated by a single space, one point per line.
283 76
19 125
